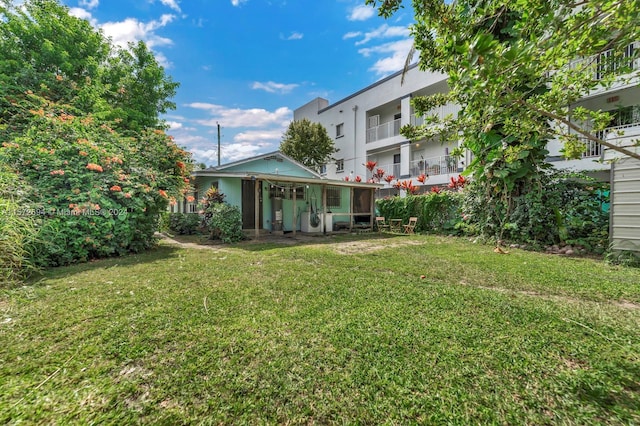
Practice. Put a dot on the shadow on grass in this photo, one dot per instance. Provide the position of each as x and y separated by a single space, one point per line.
604 395
158 253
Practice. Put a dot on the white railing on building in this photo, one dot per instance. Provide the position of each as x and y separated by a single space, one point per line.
383 131
612 134
442 112
609 62
433 166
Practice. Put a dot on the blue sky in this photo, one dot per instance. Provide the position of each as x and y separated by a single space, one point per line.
247 64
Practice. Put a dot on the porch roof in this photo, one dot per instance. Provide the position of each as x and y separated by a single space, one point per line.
286 179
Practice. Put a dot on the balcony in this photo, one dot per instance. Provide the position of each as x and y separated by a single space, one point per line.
434 166
440 112
618 135
383 131
609 62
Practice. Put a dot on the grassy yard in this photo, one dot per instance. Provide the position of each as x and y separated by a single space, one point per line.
343 330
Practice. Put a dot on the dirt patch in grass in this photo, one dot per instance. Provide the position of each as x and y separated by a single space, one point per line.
369 246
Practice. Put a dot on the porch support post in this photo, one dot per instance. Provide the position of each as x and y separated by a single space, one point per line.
295 202
373 208
256 186
324 209
352 218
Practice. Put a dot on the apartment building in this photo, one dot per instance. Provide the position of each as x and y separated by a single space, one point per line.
366 127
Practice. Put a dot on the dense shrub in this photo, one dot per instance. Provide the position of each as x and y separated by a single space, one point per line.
570 208
224 222
184 223
96 193
436 212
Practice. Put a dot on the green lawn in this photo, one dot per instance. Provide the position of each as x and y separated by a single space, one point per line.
343 330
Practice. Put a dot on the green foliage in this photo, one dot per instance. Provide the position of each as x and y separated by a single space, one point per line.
308 143
224 221
47 53
17 228
569 208
97 193
436 212
184 223
79 122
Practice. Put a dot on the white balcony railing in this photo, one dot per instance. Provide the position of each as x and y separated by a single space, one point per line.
608 62
616 134
433 166
440 112
390 170
383 131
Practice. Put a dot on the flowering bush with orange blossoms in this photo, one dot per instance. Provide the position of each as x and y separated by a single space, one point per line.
95 167
114 198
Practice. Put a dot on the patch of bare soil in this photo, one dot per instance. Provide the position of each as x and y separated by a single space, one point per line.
369 246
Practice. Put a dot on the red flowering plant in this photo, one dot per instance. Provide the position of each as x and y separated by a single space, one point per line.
422 178
457 184
96 193
408 186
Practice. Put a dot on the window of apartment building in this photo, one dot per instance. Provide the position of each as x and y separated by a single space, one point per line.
334 197
323 169
339 165
340 130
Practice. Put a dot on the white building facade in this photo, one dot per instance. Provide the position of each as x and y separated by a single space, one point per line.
366 127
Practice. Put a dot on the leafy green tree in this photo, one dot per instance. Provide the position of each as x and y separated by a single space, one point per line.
139 89
46 52
520 65
309 143
80 126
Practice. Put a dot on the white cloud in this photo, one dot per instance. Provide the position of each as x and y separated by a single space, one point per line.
384 31
173 4
132 30
236 117
254 136
239 151
237 2
174 125
399 51
294 36
361 13
89 4
273 87
352 34
83 14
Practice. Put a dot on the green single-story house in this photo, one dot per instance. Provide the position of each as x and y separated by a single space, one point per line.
277 194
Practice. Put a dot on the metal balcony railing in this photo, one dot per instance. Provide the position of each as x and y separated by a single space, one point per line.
613 134
383 131
440 112
610 62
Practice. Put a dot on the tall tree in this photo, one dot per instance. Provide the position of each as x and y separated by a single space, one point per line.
309 143
520 65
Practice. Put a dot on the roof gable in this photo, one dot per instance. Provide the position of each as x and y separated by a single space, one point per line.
275 163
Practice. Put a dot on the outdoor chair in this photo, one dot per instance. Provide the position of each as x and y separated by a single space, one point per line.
381 224
409 228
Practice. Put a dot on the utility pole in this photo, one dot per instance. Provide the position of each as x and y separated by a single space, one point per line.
218 143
